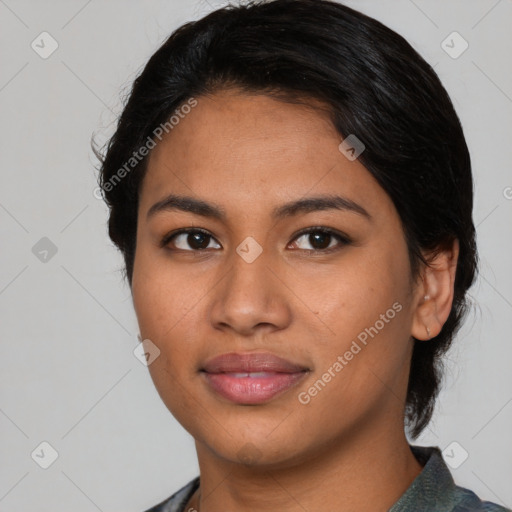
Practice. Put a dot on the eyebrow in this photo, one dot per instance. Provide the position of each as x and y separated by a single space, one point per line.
300 206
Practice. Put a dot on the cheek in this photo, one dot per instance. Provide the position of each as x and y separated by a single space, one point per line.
162 298
353 295
168 305
163 307
366 318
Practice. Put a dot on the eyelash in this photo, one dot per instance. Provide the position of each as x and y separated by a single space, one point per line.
342 239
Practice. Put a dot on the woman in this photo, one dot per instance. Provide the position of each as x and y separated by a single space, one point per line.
295 219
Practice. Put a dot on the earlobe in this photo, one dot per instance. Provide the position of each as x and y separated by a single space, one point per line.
436 290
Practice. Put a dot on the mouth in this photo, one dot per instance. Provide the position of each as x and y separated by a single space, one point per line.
251 378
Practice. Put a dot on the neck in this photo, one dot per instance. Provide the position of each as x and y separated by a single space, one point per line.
364 471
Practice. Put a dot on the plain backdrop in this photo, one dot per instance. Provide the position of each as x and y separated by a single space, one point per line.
69 377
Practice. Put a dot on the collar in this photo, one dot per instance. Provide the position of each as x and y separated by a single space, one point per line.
433 489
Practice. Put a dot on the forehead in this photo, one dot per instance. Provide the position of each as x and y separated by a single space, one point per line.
255 149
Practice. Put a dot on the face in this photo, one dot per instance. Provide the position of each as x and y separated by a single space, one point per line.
273 245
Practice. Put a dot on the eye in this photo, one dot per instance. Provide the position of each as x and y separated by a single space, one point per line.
321 239
196 240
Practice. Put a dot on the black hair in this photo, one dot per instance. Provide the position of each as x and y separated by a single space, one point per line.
375 86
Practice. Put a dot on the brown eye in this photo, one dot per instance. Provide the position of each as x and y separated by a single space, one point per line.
190 240
320 240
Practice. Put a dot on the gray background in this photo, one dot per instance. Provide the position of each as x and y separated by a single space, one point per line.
67 369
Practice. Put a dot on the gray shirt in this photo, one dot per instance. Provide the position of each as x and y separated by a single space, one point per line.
433 490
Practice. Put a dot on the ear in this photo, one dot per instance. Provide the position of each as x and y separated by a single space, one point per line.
434 293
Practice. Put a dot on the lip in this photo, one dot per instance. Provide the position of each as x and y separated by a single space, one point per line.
251 362
251 378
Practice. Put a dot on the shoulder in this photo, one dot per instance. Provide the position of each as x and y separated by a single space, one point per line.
468 501
177 502
435 490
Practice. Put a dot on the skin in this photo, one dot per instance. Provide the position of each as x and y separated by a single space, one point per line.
249 154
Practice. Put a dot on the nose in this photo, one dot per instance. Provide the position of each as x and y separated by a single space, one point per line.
251 298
